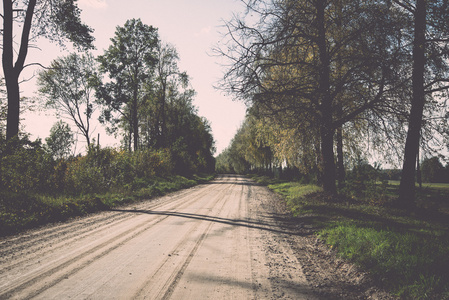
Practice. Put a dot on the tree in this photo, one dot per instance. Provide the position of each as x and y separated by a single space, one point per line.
129 63
189 136
69 84
164 87
433 170
430 75
3 108
297 58
167 73
57 20
60 141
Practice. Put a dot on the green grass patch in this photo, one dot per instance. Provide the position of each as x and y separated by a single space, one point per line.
19 211
413 266
264 180
407 252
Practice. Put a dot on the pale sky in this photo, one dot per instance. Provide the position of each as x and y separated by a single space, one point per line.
192 26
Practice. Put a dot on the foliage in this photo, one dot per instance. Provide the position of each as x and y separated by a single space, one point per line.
69 89
60 141
20 211
433 171
36 189
129 64
24 165
102 170
30 168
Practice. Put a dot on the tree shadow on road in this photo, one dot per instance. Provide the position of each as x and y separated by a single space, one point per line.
270 224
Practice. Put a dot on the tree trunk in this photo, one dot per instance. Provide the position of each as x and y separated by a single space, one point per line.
407 185
135 121
12 71
326 129
340 164
11 74
418 172
163 116
339 109
13 116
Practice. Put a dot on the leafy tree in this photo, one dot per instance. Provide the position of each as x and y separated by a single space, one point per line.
167 77
298 59
129 63
60 141
432 170
57 20
163 89
187 135
69 85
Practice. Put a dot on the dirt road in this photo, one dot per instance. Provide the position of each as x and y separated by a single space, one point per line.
222 240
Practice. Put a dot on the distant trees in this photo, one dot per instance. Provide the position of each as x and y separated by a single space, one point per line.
433 170
56 20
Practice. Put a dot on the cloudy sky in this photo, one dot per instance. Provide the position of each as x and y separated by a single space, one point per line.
192 26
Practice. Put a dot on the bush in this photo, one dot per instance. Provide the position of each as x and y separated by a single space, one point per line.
362 183
105 169
25 166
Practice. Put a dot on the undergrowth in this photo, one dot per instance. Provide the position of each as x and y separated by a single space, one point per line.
408 253
19 211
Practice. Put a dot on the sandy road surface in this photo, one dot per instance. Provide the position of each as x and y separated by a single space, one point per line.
214 241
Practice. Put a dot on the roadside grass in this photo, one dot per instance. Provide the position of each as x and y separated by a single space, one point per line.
20 211
407 252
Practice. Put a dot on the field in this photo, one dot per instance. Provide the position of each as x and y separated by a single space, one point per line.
433 196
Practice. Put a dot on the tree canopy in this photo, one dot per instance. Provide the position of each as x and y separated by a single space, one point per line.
332 78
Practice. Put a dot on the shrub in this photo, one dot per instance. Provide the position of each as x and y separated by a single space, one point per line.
362 183
25 166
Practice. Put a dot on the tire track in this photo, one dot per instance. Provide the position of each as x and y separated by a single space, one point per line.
79 230
70 229
180 265
57 270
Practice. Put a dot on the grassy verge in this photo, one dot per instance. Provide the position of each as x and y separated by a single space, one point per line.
408 253
19 211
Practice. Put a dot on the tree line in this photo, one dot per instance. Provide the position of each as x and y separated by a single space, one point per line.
139 92
135 87
325 80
